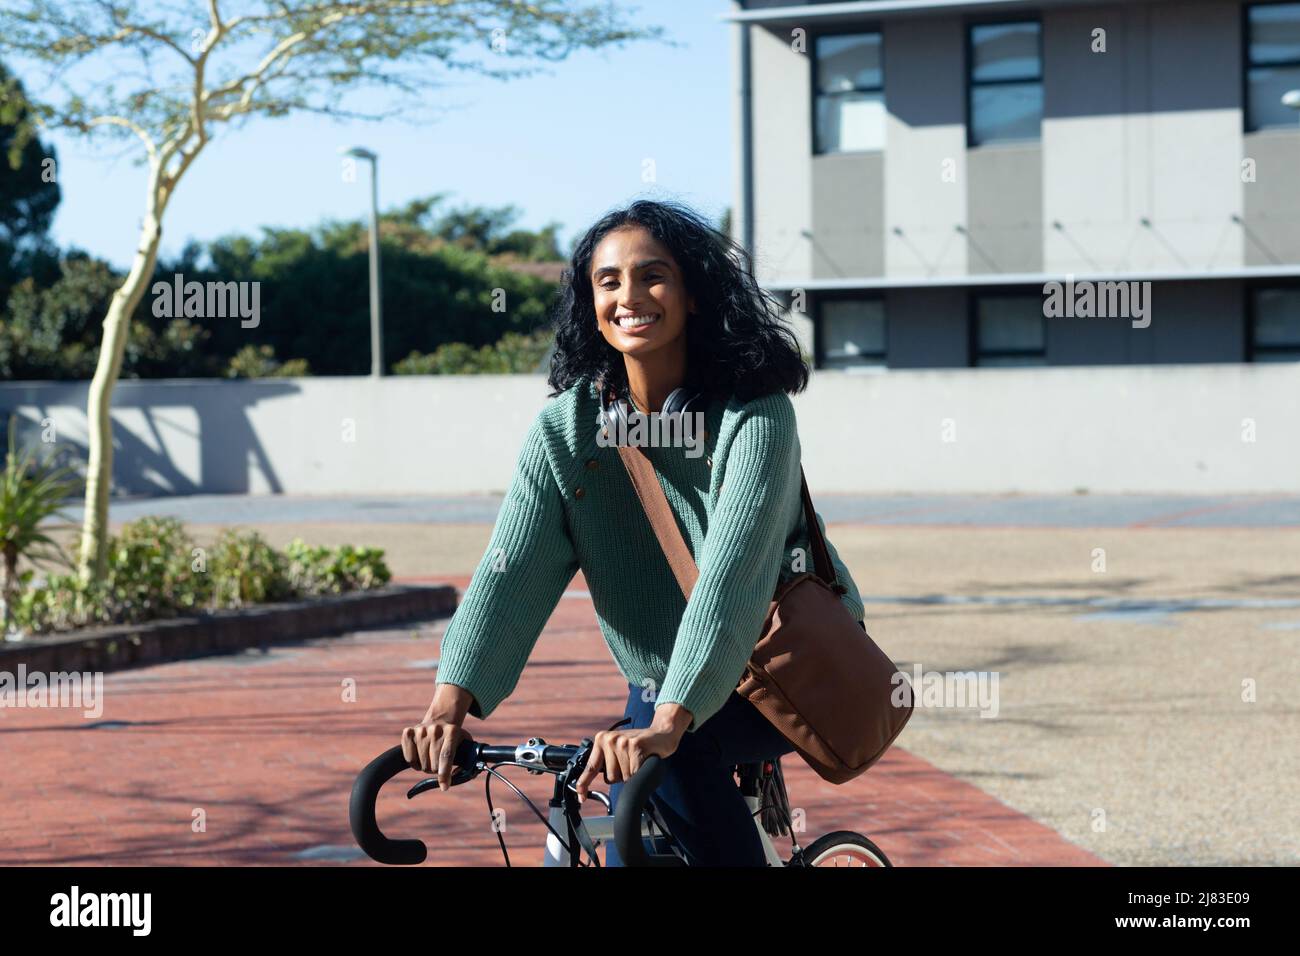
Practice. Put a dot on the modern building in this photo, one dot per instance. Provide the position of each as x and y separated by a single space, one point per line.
914 175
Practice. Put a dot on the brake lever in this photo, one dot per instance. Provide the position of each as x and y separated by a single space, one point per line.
462 775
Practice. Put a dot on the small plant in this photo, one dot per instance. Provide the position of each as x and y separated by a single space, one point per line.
31 492
151 573
322 570
245 569
259 361
62 602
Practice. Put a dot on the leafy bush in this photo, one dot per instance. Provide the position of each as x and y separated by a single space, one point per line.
513 354
258 361
32 491
155 570
62 602
246 570
324 571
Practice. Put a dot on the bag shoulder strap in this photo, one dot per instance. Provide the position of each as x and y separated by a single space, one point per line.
669 535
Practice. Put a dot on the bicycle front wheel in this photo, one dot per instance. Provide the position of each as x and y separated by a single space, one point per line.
841 848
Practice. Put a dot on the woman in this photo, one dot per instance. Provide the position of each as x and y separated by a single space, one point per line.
656 300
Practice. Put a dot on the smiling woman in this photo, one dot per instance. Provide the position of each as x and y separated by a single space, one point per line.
660 310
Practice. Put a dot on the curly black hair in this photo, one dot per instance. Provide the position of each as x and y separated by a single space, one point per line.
736 341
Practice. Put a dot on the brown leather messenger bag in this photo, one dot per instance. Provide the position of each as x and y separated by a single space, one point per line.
814 672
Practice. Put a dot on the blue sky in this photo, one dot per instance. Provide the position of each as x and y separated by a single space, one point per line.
565 145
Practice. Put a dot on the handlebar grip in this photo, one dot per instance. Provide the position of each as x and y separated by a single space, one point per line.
632 801
361 813
361 807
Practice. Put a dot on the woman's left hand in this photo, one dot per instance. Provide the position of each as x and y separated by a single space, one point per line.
620 753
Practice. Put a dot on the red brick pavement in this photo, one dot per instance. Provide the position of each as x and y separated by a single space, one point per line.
267 748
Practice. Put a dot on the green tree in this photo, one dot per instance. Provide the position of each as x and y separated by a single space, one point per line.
176 83
52 331
29 189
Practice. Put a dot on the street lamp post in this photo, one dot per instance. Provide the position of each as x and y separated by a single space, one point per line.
376 314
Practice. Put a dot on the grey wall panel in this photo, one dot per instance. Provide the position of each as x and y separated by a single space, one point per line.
1005 208
1150 129
1272 201
926 328
782 146
848 215
925 156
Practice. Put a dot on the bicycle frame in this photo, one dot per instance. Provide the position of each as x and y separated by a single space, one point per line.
599 831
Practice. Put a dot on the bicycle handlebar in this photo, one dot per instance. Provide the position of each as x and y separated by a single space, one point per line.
361 808
632 802
469 754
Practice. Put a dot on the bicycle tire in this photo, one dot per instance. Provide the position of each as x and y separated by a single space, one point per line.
840 844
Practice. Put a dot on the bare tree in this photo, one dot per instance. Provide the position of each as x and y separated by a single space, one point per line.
179 71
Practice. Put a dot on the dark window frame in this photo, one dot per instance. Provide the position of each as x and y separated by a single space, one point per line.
819 322
973 297
1250 289
971 83
1247 64
856 29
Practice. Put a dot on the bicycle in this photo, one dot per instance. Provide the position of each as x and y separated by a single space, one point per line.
634 822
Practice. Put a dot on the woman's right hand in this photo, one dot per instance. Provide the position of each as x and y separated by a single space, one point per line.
431 745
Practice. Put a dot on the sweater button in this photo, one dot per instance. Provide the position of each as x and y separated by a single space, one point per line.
592 464
709 461
578 492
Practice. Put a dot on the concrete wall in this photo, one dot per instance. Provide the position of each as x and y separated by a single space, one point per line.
782 127
1150 128
1107 429
1005 208
1130 428
307 436
848 192
925 155
1272 198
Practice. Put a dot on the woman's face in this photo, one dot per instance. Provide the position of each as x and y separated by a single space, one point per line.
634 278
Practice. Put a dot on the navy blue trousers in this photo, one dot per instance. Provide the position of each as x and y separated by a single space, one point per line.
699 800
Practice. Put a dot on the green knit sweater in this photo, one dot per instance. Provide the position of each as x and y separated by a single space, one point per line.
571 505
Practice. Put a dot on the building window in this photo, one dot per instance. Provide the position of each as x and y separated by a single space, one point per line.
1272 64
1010 330
1006 82
849 88
1275 325
852 332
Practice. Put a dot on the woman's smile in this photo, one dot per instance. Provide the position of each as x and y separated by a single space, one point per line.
636 323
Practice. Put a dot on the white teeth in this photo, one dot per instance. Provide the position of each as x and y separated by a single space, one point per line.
634 321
